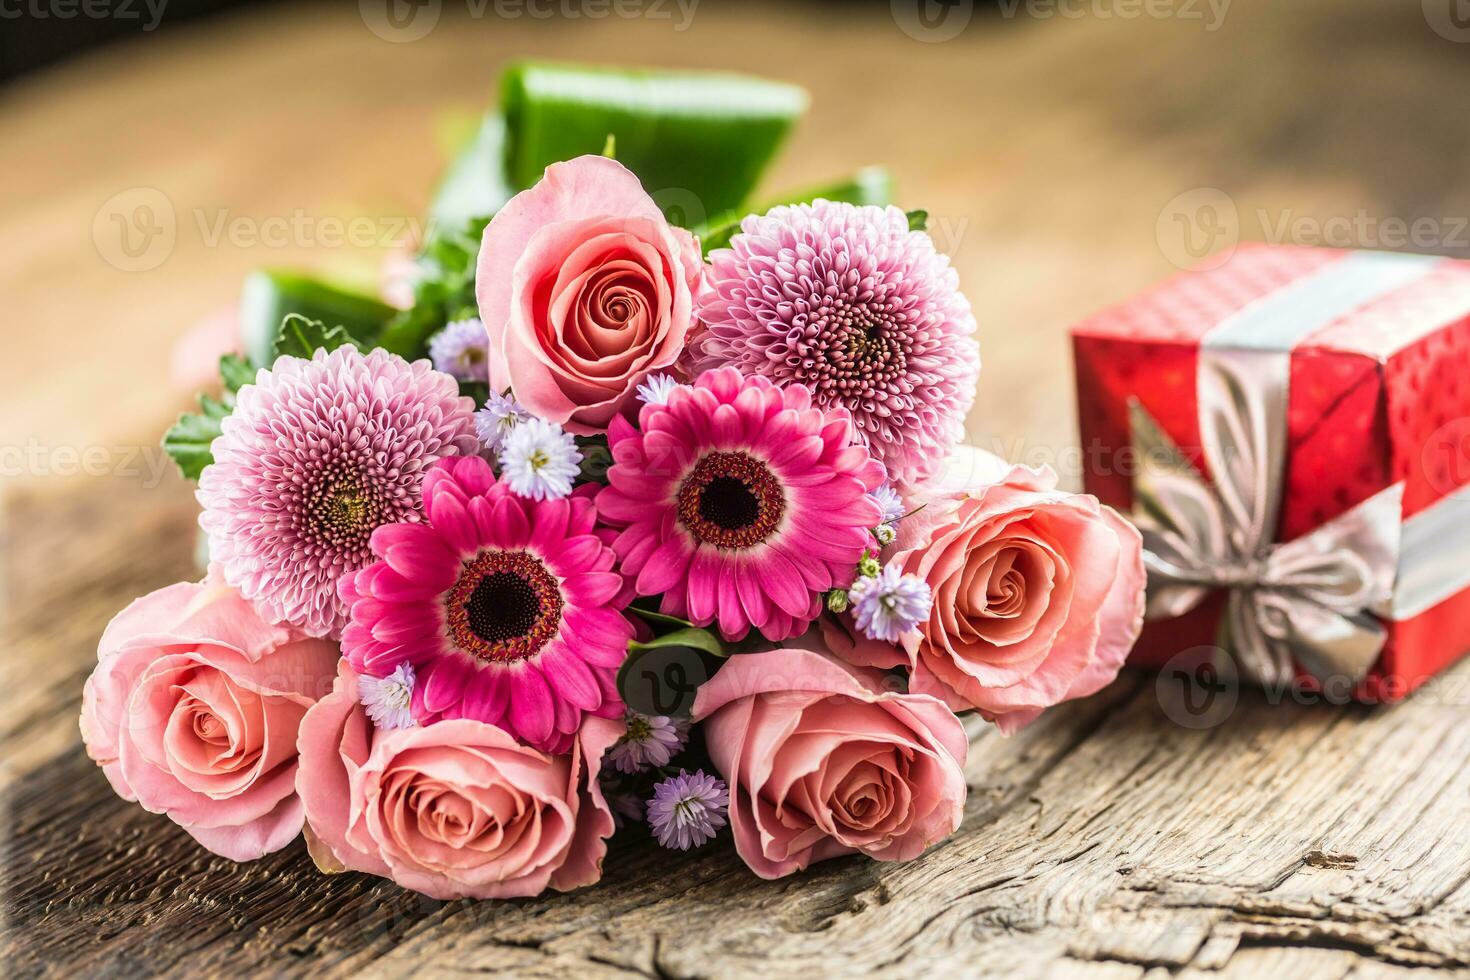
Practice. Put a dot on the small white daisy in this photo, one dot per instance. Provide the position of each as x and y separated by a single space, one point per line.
494 422
656 388
388 699
890 604
539 460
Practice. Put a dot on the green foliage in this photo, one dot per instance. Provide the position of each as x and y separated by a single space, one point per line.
272 295
301 337
699 141
235 372
187 441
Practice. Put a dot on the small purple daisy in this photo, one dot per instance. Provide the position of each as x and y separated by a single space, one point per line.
388 700
495 421
650 740
687 810
462 350
890 604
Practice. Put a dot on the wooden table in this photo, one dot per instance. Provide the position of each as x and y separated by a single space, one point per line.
1054 153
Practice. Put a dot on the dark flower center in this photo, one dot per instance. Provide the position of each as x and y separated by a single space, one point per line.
731 500
506 606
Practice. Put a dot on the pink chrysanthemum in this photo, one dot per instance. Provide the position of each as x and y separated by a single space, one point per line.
740 503
507 608
849 302
315 456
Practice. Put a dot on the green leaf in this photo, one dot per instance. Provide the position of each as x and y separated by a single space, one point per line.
270 296
918 220
187 441
610 148
689 638
698 141
870 185
235 372
654 616
301 337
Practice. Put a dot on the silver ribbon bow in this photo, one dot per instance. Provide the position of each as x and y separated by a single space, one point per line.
1307 602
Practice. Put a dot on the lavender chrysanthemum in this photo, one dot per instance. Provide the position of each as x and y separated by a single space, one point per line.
890 604
462 350
388 701
687 810
316 455
864 312
648 740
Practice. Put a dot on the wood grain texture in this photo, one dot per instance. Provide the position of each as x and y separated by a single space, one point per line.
1108 840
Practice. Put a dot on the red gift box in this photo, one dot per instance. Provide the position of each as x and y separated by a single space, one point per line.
1322 385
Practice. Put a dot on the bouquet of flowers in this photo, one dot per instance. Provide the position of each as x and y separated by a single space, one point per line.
646 509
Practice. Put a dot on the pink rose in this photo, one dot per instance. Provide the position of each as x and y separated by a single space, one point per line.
456 809
192 711
585 290
822 762
1038 594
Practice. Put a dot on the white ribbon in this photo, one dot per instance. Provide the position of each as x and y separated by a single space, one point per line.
1307 602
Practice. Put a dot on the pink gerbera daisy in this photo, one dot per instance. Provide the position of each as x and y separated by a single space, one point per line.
315 455
506 608
850 302
740 503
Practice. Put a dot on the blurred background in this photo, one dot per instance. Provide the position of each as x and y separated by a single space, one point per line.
1069 152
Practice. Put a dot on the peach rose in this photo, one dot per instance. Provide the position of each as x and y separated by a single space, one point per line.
585 290
456 809
1038 594
821 761
192 711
